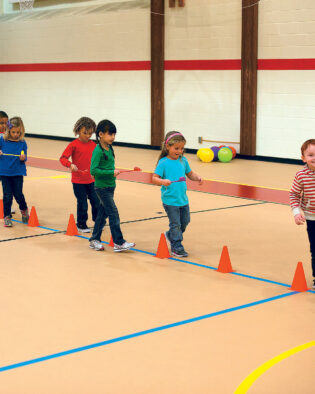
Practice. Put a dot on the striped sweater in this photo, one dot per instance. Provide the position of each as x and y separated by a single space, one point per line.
302 193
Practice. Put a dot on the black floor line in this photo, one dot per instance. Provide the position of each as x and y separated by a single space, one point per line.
138 220
31 236
192 212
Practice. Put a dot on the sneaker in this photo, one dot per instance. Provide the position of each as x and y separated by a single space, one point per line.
7 222
313 287
83 229
179 253
25 216
97 245
12 211
124 246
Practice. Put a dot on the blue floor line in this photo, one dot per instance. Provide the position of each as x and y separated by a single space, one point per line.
189 262
141 333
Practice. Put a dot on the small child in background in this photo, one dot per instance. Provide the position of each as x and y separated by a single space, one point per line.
172 166
13 155
3 121
103 169
302 196
80 150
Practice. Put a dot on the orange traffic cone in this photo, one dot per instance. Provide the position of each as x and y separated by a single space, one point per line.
33 220
162 251
225 265
111 242
1 210
72 228
299 281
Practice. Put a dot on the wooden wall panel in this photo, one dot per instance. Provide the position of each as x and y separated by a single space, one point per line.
157 72
249 77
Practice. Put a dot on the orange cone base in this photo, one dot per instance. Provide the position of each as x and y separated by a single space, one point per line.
111 242
33 220
72 228
299 281
1 210
225 265
162 251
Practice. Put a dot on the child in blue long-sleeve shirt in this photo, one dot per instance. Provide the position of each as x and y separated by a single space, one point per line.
13 155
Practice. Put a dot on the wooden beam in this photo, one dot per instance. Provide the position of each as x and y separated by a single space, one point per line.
249 77
171 3
157 72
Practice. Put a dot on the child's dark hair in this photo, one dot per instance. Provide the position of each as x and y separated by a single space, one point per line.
3 115
16 121
306 145
84 122
170 139
105 126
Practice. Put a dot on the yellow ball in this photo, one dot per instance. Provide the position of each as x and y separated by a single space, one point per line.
206 155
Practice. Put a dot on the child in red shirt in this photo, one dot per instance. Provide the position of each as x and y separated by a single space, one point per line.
81 150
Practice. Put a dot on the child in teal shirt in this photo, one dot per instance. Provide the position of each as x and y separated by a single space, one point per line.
171 167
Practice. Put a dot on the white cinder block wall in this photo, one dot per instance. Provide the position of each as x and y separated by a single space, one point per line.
286 98
198 102
203 103
51 102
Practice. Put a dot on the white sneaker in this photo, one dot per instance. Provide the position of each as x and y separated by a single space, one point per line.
84 230
12 211
124 246
97 245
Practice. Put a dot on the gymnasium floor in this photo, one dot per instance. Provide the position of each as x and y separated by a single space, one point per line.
78 321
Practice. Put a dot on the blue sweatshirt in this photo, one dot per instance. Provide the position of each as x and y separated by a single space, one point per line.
12 165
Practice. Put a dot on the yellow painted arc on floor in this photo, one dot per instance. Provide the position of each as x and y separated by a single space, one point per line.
248 382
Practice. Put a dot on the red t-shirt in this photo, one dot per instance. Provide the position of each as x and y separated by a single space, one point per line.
81 154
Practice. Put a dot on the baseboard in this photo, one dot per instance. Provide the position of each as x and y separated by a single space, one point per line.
188 150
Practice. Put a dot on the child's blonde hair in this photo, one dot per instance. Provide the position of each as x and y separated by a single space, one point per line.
170 139
16 121
84 122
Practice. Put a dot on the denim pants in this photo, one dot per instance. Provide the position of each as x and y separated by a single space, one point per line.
82 193
311 237
179 217
107 209
12 186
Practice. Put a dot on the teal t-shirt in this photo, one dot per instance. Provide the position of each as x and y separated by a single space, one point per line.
175 193
102 169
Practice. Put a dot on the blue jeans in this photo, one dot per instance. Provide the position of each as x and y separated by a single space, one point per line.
12 186
179 218
107 209
311 237
82 193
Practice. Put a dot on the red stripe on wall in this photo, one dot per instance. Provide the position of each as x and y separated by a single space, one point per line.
226 64
286 64
86 66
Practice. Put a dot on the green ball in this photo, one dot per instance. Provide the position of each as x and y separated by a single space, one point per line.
225 155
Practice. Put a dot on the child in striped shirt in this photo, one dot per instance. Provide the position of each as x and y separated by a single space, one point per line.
302 196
